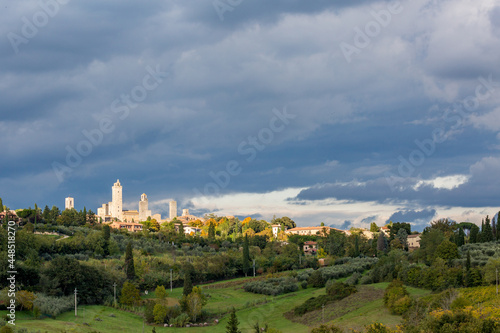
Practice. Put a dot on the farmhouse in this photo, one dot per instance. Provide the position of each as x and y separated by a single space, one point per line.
130 226
413 242
310 248
308 231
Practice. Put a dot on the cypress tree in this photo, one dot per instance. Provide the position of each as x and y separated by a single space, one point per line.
46 214
487 231
468 281
474 234
460 239
129 262
246 256
381 242
84 215
494 227
211 231
232 324
188 283
106 234
480 236
1 205
356 246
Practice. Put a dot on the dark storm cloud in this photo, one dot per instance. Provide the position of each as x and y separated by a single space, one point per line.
224 80
344 226
413 216
369 219
481 189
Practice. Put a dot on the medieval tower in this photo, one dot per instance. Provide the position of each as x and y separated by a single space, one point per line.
69 203
144 213
116 206
173 209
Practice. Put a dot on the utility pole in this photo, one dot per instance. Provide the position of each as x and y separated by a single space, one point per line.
170 279
76 311
497 281
114 287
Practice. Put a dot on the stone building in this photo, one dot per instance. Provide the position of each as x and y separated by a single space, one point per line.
144 213
173 209
69 203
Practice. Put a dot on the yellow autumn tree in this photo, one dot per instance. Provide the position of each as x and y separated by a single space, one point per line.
196 224
246 221
250 232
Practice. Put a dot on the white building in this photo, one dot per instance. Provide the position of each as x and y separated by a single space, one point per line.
114 209
69 203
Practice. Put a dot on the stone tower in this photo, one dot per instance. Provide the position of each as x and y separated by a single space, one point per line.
116 200
69 203
185 212
144 213
173 209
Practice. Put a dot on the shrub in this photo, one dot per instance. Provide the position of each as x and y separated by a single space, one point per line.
303 284
366 279
272 286
396 298
304 275
316 279
340 290
53 306
148 311
353 279
377 328
181 320
159 313
336 291
311 304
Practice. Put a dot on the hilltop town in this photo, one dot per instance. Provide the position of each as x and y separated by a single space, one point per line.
178 271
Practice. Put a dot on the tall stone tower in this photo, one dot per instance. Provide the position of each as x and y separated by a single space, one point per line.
117 201
173 209
69 203
143 208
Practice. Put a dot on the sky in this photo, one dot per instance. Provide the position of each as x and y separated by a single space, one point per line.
343 112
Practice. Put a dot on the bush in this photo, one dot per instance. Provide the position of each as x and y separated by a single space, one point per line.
335 291
377 328
366 279
347 267
316 279
181 320
353 279
272 286
303 284
340 290
304 275
311 304
53 306
396 298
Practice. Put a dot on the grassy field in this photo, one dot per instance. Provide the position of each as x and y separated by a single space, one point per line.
362 309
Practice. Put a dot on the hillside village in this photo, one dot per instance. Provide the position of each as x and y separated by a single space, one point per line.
190 255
